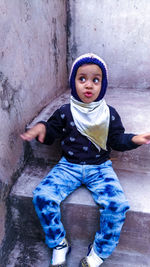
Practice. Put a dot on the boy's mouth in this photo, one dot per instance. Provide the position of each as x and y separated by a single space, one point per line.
88 94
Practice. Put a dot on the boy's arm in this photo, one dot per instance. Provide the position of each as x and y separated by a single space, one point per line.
117 138
141 139
46 132
38 131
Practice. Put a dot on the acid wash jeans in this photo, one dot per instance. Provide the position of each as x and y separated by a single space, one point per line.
106 190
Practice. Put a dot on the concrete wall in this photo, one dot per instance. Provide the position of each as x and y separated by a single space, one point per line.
33 60
116 30
32 73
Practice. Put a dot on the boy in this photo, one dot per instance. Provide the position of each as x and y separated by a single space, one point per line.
88 129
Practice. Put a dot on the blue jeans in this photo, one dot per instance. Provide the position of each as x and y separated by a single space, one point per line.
106 190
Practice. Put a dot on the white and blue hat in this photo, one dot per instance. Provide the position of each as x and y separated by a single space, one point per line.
89 58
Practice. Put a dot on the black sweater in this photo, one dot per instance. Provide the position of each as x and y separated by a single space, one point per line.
77 148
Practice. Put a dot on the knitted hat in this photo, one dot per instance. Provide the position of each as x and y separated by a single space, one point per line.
89 58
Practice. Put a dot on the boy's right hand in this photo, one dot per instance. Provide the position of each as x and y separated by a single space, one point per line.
39 130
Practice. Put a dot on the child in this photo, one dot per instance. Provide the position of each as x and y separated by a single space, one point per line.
88 129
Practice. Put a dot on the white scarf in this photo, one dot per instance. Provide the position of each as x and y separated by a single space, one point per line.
92 120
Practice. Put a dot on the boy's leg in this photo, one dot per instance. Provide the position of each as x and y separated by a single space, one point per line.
63 179
108 194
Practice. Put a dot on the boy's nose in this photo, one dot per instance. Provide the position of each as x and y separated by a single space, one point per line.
89 84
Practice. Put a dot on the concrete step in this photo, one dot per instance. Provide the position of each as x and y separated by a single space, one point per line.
35 254
133 107
80 214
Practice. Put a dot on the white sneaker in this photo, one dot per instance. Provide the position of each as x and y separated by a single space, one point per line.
92 259
59 254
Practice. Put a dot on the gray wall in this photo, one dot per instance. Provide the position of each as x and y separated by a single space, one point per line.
118 31
32 73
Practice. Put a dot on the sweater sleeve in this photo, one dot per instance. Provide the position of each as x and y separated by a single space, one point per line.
54 127
117 138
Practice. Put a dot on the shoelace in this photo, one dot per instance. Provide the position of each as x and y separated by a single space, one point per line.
84 263
64 245
62 265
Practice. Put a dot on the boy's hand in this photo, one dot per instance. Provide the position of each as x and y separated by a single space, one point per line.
141 139
38 130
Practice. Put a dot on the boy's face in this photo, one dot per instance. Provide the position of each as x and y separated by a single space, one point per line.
88 82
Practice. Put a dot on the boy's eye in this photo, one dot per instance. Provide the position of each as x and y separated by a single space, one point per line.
95 80
82 79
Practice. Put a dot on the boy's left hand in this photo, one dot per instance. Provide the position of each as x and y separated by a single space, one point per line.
141 139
